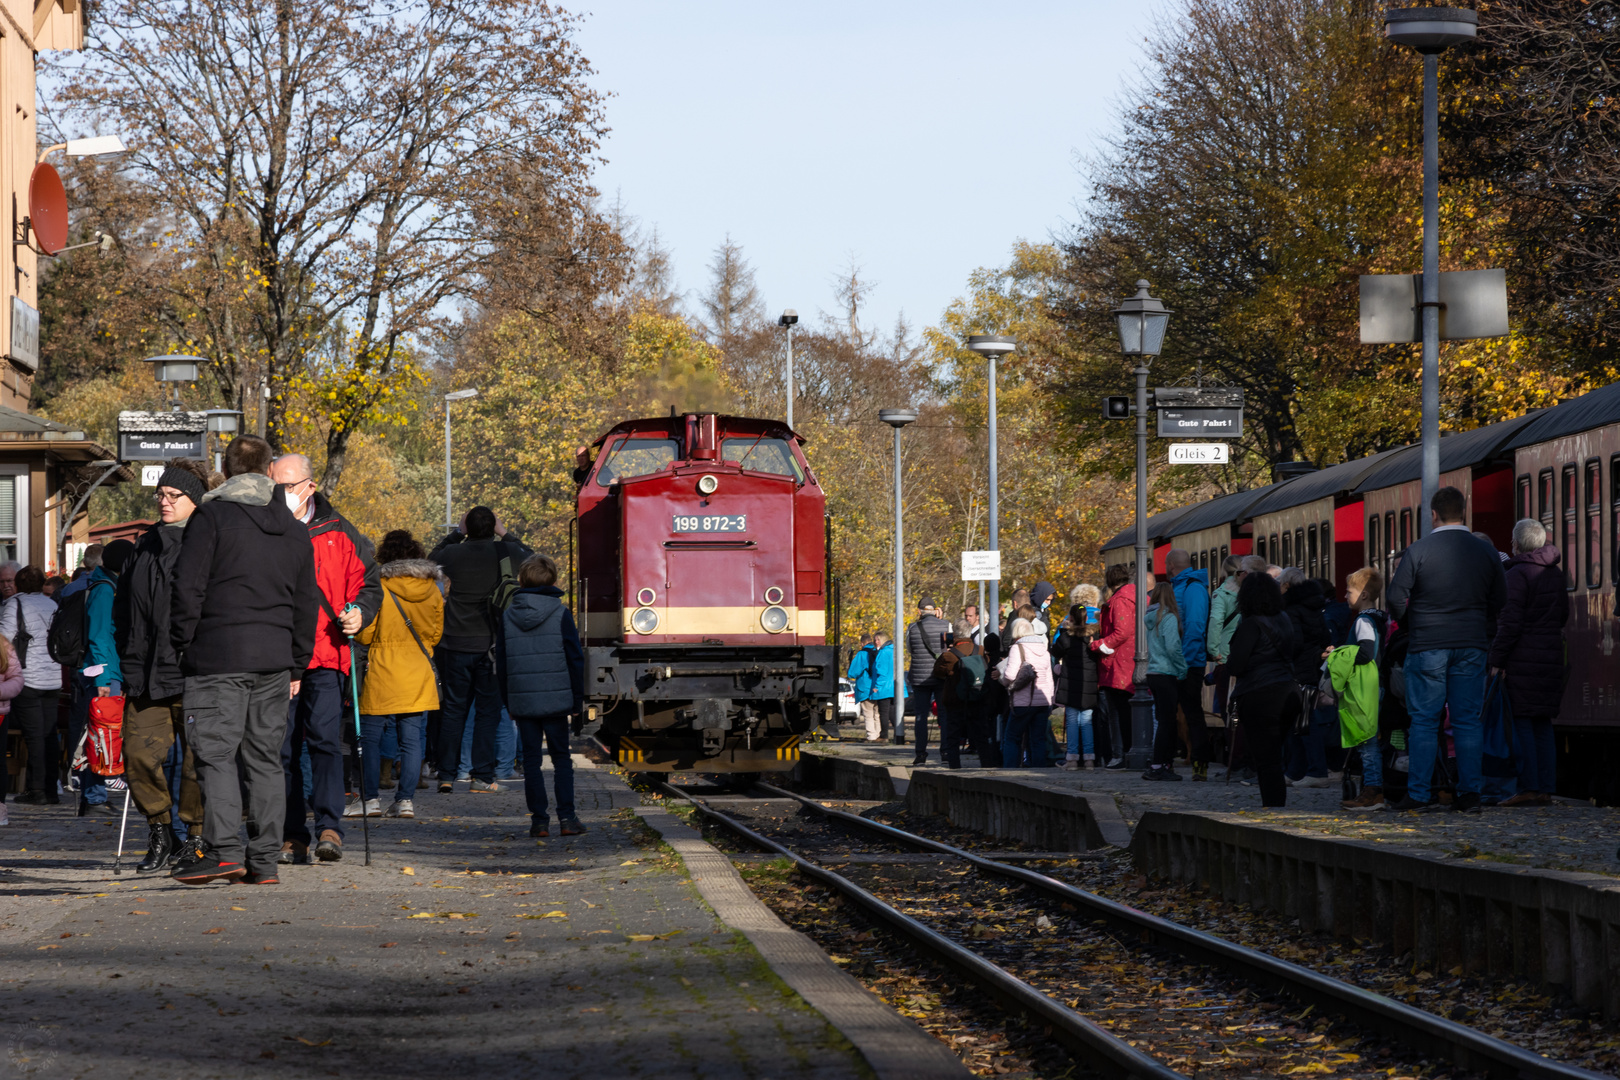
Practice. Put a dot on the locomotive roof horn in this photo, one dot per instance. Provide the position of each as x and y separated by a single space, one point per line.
706 446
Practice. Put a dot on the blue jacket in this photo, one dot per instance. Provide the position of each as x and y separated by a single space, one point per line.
102 647
542 668
882 667
1192 598
1165 656
860 673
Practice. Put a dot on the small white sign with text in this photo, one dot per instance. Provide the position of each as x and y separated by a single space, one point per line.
150 474
1195 453
981 566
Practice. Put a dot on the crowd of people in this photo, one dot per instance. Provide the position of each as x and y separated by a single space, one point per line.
1436 689
252 637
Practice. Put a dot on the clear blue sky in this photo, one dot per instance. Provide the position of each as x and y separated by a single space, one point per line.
919 139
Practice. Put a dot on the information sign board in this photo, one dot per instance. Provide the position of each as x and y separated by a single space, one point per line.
981 566
1188 453
159 445
1203 423
150 474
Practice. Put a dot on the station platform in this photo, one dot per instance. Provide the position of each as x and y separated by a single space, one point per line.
1534 892
466 946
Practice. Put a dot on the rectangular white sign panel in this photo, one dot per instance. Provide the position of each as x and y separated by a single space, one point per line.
150 474
1198 453
981 566
24 334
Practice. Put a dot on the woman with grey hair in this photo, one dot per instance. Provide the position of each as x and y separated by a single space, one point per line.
1529 651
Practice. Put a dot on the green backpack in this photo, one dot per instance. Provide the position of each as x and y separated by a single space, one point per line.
506 583
970 673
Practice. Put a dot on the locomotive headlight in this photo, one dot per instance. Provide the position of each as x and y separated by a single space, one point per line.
773 619
707 484
773 595
644 621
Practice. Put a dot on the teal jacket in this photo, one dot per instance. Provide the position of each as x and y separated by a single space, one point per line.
102 648
1357 687
1223 619
1165 654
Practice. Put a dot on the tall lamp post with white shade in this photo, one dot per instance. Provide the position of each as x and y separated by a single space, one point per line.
993 347
222 422
1142 320
175 369
897 419
788 319
454 395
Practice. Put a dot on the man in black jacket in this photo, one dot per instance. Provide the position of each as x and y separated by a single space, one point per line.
925 639
153 682
471 557
242 621
1446 594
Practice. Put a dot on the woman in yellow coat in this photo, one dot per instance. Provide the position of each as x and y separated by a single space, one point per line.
400 684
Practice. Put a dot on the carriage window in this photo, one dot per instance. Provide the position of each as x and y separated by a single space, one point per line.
1260 547
1299 548
1375 554
1327 551
1287 550
1594 524
1389 544
1572 551
762 455
636 457
1310 549
1406 529
1524 498
1225 551
1545 510
1614 519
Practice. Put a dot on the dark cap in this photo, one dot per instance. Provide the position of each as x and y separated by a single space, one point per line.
116 554
924 605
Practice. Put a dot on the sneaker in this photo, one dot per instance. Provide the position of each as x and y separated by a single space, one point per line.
1466 802
293 851
492 787
256 877
570 826
162 850
1201 771
1071 766
373 808
1369 798
463 777
354 808
210 867
1316 782
540 829
1115 764
401 808
1412 805
330 848
1157 773
5 816
446 787
1523 798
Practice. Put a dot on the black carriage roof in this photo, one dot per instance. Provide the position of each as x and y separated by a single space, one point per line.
1224 509
1458 450
1321 484
1159 526
1594 410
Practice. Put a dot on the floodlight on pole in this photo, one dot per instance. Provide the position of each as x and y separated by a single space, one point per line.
993 347
1430 31
788 319
454 395
897 419
94 146
174 369
1141 320
222 422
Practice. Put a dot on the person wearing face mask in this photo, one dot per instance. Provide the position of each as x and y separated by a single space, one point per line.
345 573
154 719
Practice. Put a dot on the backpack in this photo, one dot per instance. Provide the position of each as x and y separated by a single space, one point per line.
970 671
506 583
68 639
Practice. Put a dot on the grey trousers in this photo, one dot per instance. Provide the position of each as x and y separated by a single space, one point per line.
232 719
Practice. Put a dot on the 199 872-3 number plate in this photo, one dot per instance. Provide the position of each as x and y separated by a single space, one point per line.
710 523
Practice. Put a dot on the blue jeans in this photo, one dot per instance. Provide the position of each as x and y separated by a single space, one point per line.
411 728
315 724
506 742
1031 720
540 735
468 684
1307 754
1076 732
1438 680
1537 750
1372 763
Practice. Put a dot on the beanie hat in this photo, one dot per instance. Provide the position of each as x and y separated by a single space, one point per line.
183 482
116 554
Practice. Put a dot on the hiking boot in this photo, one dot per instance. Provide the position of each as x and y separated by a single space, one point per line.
192 870
385 774
446 787
256 877
402 808
1369 798
1466 803
162 849
570 826
1157 773
1071 765
1201 771
330 848
540 828
1412 805
293 851
481 787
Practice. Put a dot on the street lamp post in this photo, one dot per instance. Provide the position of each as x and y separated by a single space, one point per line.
454 395
174 370
1142 320
222 422
897 419
789 317
1430 31
993 347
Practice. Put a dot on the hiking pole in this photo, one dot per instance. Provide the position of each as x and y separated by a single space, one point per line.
359 741
118 859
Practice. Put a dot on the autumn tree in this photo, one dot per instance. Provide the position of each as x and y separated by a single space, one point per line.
333 178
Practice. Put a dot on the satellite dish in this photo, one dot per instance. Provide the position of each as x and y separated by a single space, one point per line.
48 209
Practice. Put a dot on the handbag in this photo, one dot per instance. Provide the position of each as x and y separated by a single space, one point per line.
437 689
20 640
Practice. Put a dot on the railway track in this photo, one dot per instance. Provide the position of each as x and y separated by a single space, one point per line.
1236 988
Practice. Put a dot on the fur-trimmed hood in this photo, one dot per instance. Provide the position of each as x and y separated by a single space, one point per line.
412 568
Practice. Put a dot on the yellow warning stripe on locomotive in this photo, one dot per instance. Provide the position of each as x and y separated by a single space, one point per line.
630 753
788 751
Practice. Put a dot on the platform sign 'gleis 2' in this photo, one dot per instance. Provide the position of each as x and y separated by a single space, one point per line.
1194 412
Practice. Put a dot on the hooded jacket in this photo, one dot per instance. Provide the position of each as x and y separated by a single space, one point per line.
1223 620
1192 600
1029 651
882 665
474 569
1529 641
244 596
141 615
925 640
1165 654
1303 604
1116 641
1356 683
399 678
542 669
101 646
1262 654
860 673
345 573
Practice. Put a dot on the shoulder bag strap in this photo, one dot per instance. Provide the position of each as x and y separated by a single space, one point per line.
411 627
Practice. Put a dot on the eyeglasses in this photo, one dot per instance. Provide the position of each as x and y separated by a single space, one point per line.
166 497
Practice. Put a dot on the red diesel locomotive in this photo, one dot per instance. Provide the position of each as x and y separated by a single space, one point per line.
702 585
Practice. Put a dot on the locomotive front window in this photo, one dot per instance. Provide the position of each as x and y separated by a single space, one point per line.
636 457
762 455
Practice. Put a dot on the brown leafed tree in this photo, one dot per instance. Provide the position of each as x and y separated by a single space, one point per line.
333 179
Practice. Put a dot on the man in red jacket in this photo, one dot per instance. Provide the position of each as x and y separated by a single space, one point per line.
1115 646
345 573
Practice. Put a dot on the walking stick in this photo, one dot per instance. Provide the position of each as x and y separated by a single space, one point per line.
118 859
359 741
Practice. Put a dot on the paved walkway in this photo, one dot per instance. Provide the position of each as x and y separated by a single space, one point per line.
465 949
1566 836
